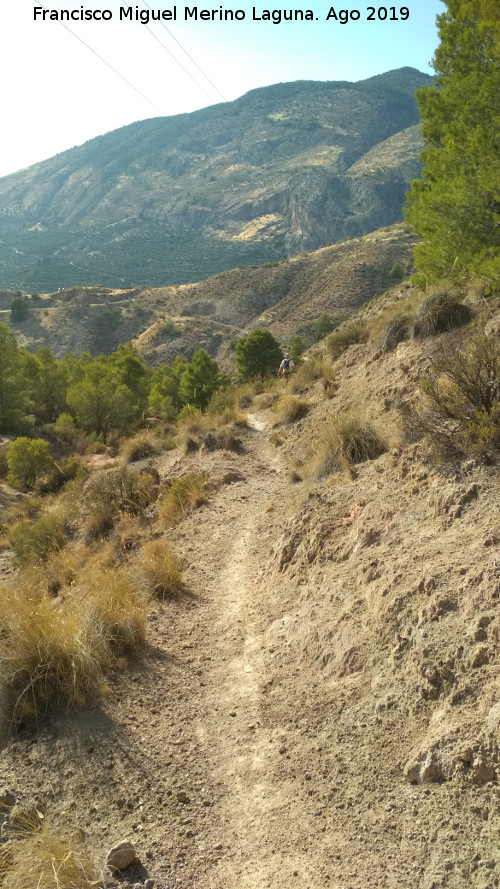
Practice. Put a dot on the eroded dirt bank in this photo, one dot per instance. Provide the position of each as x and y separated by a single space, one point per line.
321 707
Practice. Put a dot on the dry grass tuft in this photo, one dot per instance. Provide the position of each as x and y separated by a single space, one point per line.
288 409
311 370
48 657
439 312
161 567
118 611
347 439
347 334
33 542
139 447
56 654
396 331
183 495
42 858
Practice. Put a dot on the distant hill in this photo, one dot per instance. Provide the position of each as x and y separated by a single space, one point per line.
285 297
285 168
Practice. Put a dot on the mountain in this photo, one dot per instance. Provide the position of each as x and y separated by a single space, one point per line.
285 296
285 168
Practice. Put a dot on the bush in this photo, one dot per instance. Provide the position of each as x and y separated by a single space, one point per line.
460 411
348 439
68 470
117 609
49 657
311 370
121 490
438 313
33 542
43 857
27 459
397 272
289 409
138 448
322 326
221 439
396 331
161 567
347 335
183 494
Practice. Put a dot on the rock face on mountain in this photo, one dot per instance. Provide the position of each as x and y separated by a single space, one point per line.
284 168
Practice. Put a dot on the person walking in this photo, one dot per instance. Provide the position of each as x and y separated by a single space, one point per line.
286 367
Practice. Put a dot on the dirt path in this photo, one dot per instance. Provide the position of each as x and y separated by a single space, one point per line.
239 751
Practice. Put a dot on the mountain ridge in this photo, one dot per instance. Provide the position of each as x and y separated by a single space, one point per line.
239 183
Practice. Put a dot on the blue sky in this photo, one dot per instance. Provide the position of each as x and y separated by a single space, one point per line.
57 93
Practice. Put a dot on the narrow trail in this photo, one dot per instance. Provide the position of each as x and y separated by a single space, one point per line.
239 747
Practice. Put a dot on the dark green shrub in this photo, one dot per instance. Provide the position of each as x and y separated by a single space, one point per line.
460 409
438 313
397 272
345 336
27 459
397 330
34 541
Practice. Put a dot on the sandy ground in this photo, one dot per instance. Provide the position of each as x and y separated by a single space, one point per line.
320 708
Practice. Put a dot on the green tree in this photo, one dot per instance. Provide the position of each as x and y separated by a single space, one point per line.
322 326
164 399
200 379
14 399
101 401
134 373
19 309
296 346
27 459
47 381
455 206
257 355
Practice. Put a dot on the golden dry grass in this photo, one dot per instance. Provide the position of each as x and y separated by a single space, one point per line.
288 409
48 657
161 567
182 495
57 654
140 446
41 858
347 439
118 610
313 369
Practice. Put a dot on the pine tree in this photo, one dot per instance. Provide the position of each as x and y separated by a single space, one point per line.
455 206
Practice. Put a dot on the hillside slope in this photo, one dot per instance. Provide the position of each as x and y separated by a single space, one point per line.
284 297
169 200
321 707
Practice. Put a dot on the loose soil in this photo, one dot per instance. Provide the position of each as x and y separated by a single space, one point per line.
320 706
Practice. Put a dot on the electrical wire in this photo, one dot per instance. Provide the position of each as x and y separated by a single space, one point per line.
109 65
177 60
174 123
217 90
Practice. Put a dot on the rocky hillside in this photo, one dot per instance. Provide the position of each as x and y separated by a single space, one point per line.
319 704
284 297
284 168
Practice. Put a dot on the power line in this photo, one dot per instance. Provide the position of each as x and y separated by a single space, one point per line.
188 55
109 65
174 123
177 60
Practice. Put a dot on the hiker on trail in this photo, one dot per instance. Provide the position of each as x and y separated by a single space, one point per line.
286 366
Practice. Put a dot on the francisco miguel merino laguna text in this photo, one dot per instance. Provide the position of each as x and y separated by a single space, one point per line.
193 13
219 14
